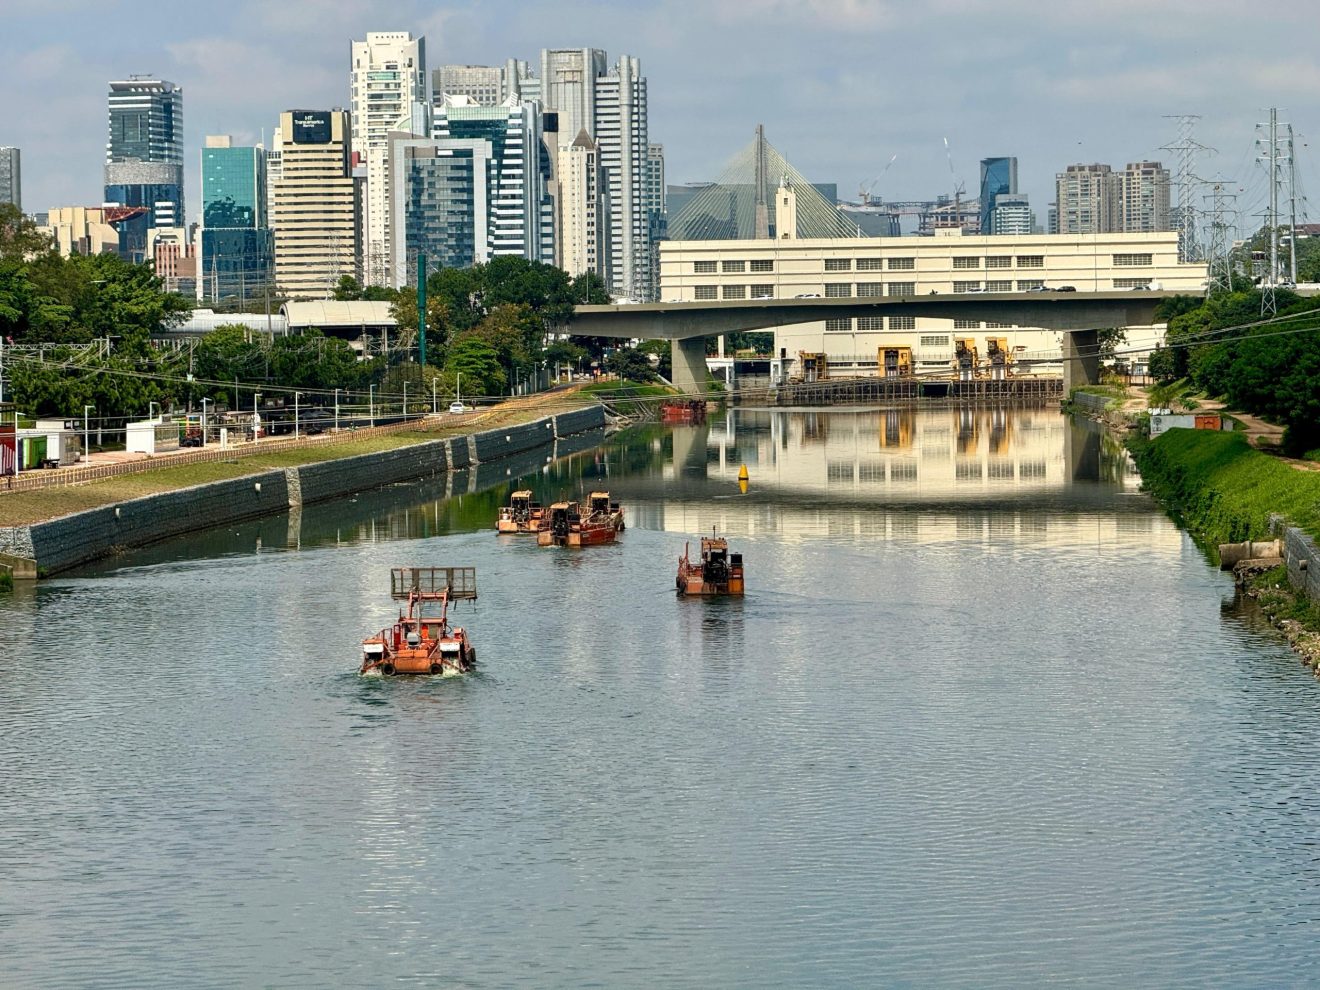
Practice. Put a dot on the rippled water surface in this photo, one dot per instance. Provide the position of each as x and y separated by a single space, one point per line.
985 718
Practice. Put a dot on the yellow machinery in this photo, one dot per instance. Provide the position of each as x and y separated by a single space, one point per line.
894 362
964 358
999 357
815 367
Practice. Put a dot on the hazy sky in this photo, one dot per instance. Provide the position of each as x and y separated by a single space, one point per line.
841 85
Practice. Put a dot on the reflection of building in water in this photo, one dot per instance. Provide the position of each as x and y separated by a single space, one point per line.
1029 473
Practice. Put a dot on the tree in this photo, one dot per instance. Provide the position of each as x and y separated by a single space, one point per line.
479 364
631 364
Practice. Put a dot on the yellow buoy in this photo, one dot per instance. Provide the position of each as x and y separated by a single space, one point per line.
742 486
742 473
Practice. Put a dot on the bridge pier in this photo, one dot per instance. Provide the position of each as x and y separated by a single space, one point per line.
689 361
1081 359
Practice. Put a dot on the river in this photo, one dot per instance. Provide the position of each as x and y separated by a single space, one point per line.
986 718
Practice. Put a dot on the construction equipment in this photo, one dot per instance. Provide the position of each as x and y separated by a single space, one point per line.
864 192
815 366
998 357
893 362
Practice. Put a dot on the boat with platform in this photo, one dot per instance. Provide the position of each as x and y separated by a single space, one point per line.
717 572
422 641
683 411
571 524
522 515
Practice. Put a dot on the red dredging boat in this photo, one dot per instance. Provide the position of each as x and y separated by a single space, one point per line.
718 572
422 641
566 524
683 411
521 515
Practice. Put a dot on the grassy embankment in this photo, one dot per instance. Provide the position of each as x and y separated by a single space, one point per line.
24 508
1222 489
629 397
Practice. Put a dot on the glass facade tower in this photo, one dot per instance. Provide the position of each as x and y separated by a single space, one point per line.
238 247
144 158
998 176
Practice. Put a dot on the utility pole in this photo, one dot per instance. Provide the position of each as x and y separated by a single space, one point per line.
421 308
1292 209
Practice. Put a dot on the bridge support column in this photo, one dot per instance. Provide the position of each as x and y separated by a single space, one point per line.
1081 359
689 360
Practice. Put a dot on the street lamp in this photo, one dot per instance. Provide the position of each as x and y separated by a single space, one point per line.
371 403
458 388
87 436
204 402
295 414
434 410
336 410
405 399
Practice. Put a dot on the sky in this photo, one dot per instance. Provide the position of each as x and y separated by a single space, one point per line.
842 86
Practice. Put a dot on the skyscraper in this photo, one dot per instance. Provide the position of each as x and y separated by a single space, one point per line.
388 78
568 86
476 189
316 210
583 208
1144 201
999 176
237 247
144 158
1012 215
11 184
620 109
1087 199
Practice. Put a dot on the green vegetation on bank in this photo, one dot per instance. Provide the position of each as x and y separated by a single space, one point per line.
1222 489
6 580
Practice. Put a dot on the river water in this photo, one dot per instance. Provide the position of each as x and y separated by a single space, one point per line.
985 718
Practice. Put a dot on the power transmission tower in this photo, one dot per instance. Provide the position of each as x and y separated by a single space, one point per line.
1187 149
1222 204
1274 158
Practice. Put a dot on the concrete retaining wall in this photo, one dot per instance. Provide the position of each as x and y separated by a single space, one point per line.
1303 560
1095 404
495 444
72 540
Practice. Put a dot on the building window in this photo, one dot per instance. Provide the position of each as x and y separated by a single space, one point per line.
834 325
870 323
838 290
838 264
870 264
999 261
902 323
706 292
1031 469
1131 283
966 262
870 290
902 288
734 266
902 264
1002 285
967 324
762 265
966 286
934 340
1029 283
1132 260
734 291
762 291
989 325
1031 260
703 267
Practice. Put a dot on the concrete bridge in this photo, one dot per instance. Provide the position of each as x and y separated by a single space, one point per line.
1079 315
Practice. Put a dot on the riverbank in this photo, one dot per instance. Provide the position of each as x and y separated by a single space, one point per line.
251 488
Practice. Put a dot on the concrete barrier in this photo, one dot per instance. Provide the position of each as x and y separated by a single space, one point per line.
492 445
1303 561
579 421
1230 554
333 479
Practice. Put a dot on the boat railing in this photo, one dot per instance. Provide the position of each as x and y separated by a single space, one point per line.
431 582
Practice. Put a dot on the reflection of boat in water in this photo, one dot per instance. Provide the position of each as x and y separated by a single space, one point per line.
521 515
683 411
567 524
422 641
718 572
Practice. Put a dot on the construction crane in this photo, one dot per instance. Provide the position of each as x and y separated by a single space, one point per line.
959 187
865 191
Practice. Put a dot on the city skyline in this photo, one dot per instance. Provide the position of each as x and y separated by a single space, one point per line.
807 70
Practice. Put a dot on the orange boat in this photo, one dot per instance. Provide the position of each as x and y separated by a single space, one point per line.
422 641
521 515
717 573
566 525
683 411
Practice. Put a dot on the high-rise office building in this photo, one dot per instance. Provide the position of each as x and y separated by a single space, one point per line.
237 256
583 207
389 79
144 158
620 108
1087 199
11 178
476 189
1144 198
316 210
482 84
568 87
1012 215
999 177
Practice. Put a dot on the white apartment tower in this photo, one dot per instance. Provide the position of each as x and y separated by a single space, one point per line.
621 134
583 210
1145 198
388 78
1087 200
